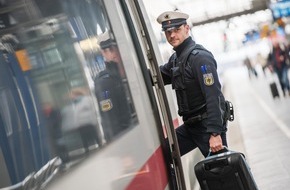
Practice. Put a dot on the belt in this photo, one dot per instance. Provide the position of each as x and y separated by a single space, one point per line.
195 119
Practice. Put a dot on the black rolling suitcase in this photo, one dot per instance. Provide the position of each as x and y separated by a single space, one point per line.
225 171
274 89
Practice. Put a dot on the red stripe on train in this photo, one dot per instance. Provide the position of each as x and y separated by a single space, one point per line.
175 125
152 175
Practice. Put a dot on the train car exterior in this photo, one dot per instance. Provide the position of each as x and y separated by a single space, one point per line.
75 115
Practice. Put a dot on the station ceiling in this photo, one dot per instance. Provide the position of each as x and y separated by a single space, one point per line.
254 6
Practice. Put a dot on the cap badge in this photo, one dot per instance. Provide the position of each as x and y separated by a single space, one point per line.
166 16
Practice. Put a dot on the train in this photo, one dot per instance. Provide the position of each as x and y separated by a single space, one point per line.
54 131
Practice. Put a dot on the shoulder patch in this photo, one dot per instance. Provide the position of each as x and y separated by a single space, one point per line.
208 79
207 75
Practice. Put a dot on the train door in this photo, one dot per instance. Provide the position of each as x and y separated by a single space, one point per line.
143 37
16 145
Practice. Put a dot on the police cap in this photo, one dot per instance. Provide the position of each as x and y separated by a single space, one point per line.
106 40
172 19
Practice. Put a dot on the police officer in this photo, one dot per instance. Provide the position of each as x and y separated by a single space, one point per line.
110 90
192 71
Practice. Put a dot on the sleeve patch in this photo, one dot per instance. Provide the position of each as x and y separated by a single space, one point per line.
208 79
207 75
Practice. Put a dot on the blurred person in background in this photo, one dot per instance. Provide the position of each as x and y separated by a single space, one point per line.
79 118
278 63
251 69
52 118
262 61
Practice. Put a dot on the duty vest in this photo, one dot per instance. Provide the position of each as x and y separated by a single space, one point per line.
189 96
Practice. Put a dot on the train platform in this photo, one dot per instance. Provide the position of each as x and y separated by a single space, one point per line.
261 129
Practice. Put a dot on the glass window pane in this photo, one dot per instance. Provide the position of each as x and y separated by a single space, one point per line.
76 74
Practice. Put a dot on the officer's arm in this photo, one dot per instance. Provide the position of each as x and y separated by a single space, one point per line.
165 73
166 70
205 67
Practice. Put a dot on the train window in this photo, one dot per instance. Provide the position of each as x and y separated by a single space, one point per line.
73 70
81 73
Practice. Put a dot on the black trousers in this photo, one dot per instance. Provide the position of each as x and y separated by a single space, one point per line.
195 136
190 138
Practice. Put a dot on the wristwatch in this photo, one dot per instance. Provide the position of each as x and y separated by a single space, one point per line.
215 134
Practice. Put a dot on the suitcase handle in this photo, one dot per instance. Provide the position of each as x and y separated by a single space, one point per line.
225 149
217 167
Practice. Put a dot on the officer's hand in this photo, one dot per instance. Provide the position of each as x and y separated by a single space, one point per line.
215 143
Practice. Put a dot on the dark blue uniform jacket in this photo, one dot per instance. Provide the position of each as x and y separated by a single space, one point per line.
192 71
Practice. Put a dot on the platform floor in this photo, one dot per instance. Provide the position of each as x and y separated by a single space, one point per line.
261 129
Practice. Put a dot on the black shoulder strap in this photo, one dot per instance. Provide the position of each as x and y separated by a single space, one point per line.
192 50
200 47
195 50
183 64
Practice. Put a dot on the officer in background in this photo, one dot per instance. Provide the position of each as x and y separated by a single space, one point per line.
111 91
192 71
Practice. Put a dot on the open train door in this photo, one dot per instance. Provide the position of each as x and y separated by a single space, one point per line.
153 55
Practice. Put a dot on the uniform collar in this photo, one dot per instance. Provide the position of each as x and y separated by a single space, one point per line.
185 44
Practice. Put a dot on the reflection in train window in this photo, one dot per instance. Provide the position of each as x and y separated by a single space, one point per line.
81 77
52 56
6 107
76 76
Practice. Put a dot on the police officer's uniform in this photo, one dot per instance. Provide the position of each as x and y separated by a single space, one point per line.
192 71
